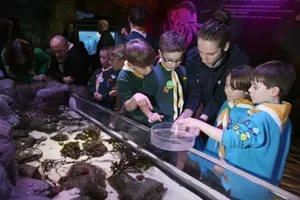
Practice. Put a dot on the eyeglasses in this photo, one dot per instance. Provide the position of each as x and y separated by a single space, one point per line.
171 61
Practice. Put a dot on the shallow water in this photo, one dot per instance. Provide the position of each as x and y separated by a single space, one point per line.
167 139
52 165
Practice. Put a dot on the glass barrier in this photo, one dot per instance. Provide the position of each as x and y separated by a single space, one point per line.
204 175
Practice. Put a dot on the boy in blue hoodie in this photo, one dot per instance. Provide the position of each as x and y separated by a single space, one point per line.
261 141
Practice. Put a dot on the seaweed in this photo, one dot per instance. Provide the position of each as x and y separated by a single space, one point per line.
130 160
90 133
81 136
71 149
94 148
60 137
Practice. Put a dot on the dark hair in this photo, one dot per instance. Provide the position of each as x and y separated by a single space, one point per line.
15 49
118 52
73 36
172 41
107 49
275 74
217 28
138 15
240 77
139 52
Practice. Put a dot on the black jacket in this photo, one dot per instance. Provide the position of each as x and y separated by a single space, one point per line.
206 85
106 40
76 66
149 38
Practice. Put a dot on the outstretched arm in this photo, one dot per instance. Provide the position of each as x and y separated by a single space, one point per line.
209 130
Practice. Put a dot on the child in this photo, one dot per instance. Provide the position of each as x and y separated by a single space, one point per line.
238 82
167 85
261 141
117 59
138 64
103 81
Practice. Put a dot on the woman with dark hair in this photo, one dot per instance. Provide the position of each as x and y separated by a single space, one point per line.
207 69
23 63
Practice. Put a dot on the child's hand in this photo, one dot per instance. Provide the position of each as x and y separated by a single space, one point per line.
97 96
155 117
219 170
113 93
191 124
183 130
141 100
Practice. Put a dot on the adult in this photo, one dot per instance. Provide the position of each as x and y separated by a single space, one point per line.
69 71
24 63
207 69
71 33
106 39
136 19
68 65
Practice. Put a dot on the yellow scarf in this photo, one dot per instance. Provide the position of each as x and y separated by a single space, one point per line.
223 119
127 68
177 89
279 112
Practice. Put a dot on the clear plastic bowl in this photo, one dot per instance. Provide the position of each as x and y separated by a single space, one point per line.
163 136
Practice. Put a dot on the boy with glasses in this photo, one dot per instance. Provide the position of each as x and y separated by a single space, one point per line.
167 85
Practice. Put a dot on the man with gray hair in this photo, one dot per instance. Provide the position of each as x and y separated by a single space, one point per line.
68 65
68 70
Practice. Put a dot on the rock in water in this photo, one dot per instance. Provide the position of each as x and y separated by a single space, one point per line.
94 148
20 133
28 155
6 112
29 171
88 178
24 143
43 125
7 151
131 189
